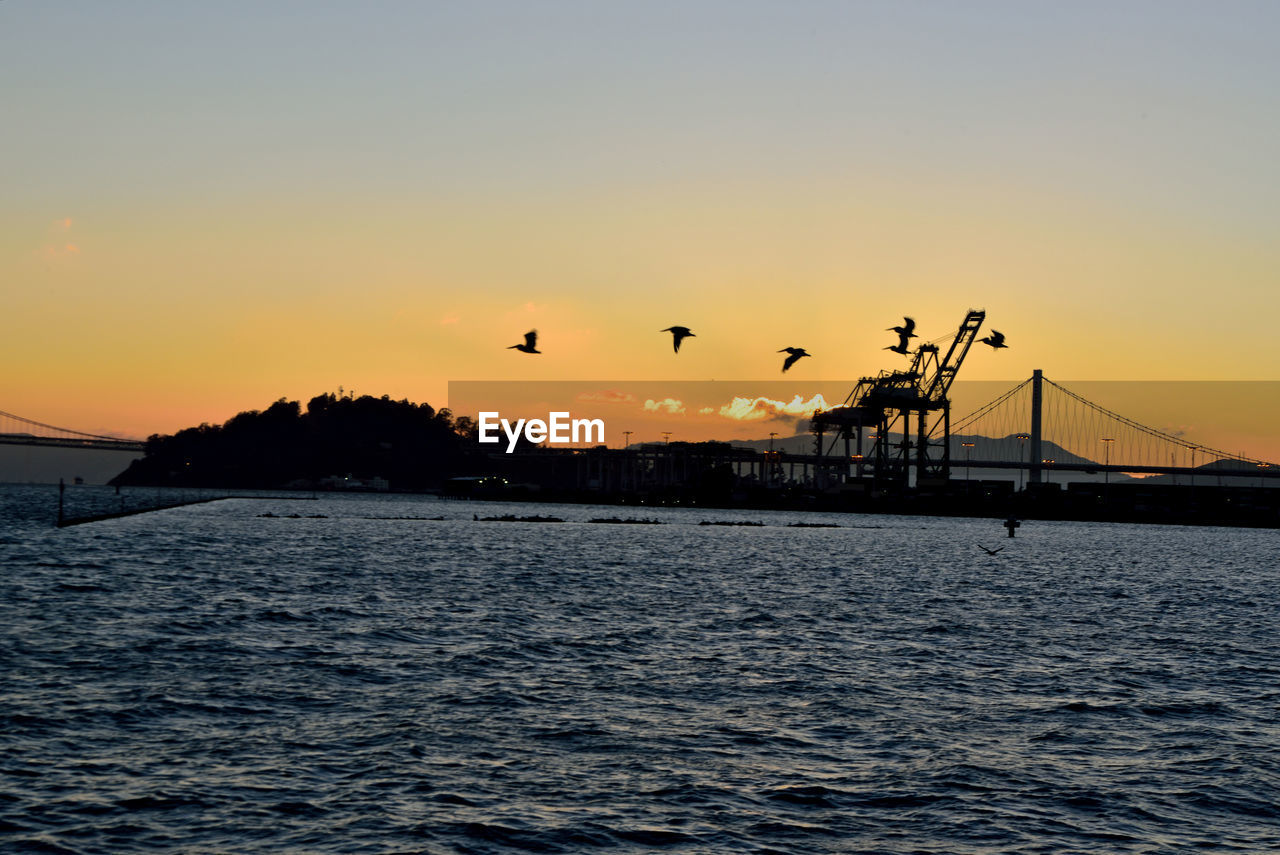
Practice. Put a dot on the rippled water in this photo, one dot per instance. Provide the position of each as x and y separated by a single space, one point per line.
209 679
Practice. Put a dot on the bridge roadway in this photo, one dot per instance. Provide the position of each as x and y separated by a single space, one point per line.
1243 471
63 442
741 455
753 458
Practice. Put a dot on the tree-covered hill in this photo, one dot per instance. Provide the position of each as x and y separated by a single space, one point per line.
411 446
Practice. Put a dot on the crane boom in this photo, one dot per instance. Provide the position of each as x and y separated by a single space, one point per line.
879 403
940 383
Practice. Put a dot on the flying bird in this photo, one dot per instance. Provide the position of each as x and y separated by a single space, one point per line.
990 551
678 334
907 330
530 343
996 340
796 353
900 347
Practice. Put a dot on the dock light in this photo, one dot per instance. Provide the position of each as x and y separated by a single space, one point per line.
967 446
1106 443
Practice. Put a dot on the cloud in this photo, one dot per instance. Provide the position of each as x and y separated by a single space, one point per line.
57 243
607 396
706 411
760 409
666 405
449 319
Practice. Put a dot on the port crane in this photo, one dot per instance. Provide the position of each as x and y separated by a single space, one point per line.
884 405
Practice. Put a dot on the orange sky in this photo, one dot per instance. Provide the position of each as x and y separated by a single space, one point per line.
694 411
189 237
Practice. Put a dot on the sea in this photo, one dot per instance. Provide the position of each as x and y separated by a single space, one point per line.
404 674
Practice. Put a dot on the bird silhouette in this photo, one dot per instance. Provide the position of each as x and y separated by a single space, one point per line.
990 551
996 340
678 334
901 346
530 343
796 353
907 330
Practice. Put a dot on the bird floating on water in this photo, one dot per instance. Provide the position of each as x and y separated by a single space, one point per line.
996 340
678 334
530 343
796 353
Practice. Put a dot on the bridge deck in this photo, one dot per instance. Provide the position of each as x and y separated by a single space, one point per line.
62 442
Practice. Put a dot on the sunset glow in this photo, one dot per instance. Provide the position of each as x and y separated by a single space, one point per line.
203 216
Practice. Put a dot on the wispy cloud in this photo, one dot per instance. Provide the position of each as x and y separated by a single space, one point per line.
607 396
761 409
667 405
450 319
57 241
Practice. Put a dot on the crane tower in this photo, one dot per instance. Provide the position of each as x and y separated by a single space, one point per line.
874 422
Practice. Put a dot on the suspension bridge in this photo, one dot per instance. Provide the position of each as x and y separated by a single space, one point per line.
1033 430
1040 426
16 430
1037 427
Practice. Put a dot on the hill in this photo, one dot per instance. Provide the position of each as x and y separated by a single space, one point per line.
336 440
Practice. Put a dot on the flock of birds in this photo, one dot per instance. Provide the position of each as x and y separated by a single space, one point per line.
906 332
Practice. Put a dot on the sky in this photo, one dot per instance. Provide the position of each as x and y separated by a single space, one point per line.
207 207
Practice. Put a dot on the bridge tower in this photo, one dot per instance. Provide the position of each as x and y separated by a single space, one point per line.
1037 426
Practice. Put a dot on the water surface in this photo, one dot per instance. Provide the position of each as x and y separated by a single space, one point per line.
350 675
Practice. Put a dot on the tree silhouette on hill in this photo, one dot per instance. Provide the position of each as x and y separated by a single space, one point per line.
412 446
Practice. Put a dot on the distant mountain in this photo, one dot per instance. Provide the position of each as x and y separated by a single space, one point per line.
1011 448
984 448
1209 474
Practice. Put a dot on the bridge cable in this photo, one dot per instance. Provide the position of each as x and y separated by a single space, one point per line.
60 429
984 409
1152 433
